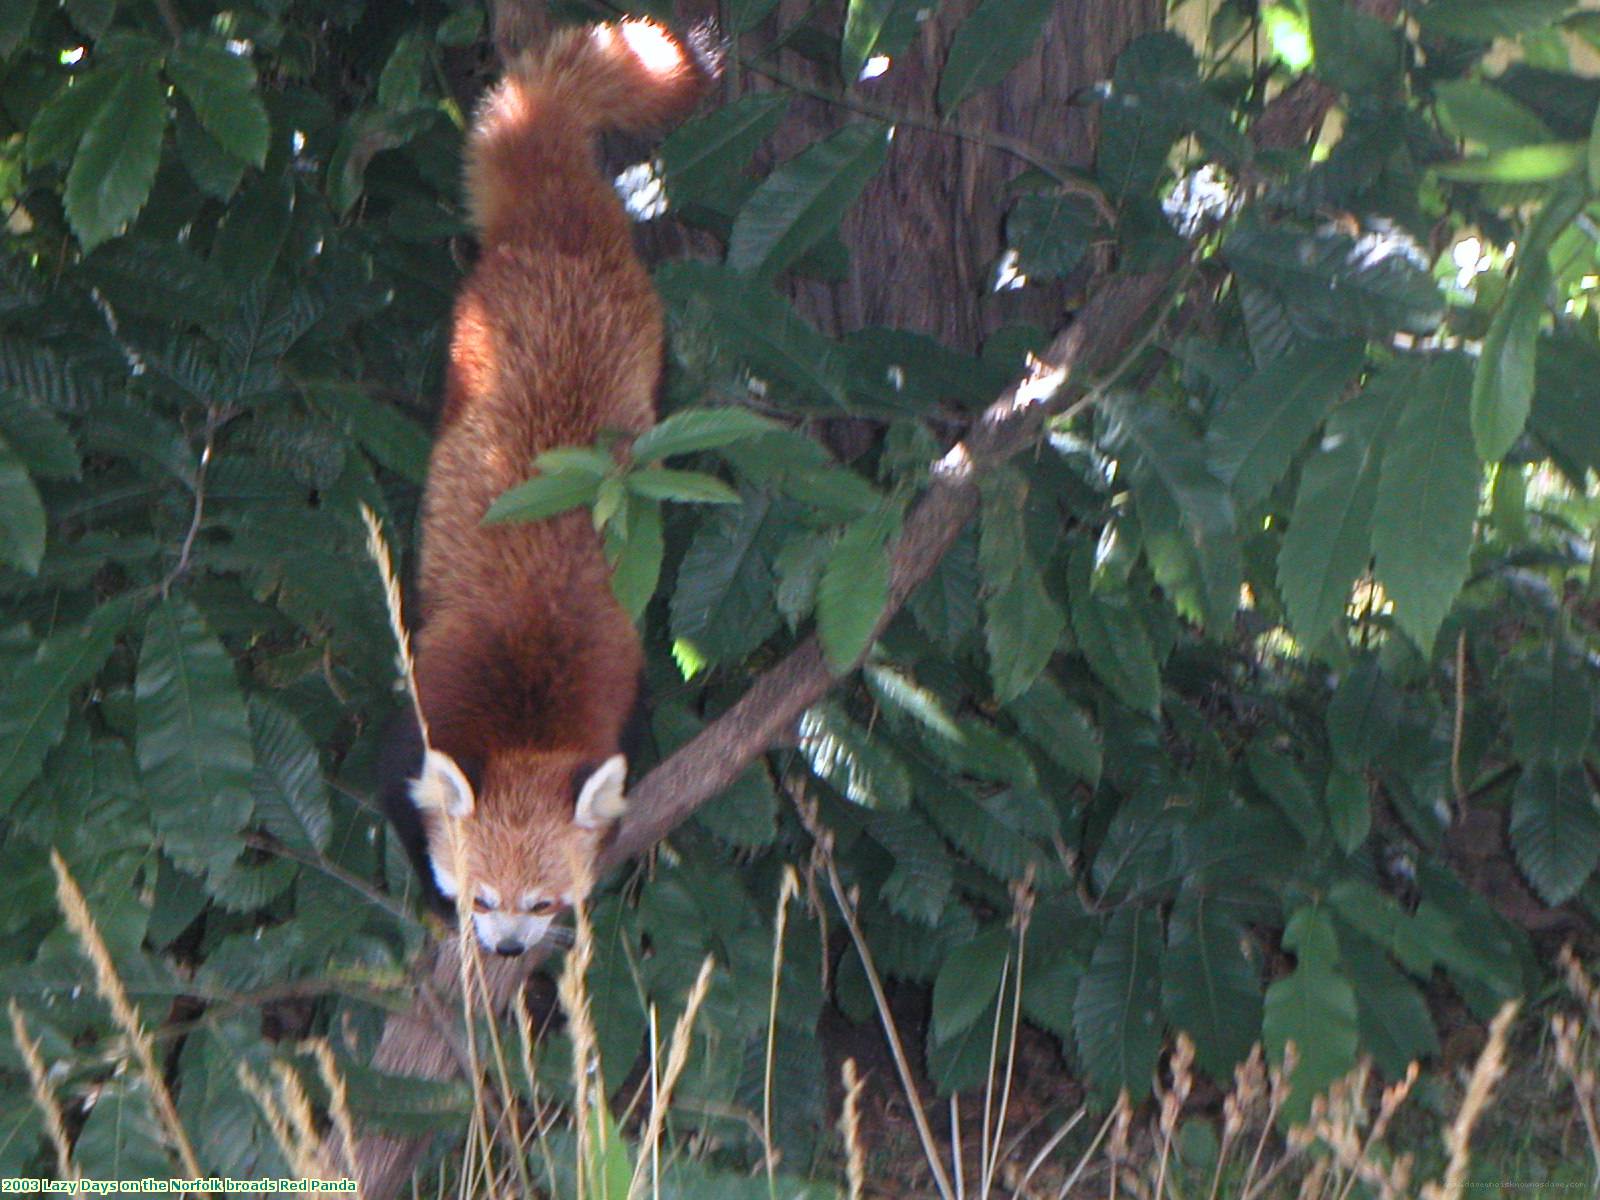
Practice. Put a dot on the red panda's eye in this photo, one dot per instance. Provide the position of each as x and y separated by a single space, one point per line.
479 905
541 907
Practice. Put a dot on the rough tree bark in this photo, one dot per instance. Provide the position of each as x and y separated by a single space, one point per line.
922 239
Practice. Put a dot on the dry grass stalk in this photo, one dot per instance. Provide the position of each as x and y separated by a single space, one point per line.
1249 1085
573 992
823 845
378 551
1117 1148
44 1096
338 1101
1087 1157
855 1162
1022 901
301 1152
1172 1102
1567 1032
789 889
1491 1065
109 985
677 1060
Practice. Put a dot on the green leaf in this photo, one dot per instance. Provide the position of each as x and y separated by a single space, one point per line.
1550 705
1363 717
1487 19
1519 164
1281 780
1209 987
968 981
853 589
222 87
1332 285
697 429
1262 425
1315 1008
803 201
1051 233
702 156
919 887
115 166
404 1104
636 557
863 22
723 602
544 496
757 326
1395 1025
1427 499
1502 381
57 129
860 768
1355 52
1117 1013
22 519
1059 728
33 702
1349 806
16 19
1555 829
289 795
122 1139
39 439
400 81
214 171
996 37
1329 540
687 487
1022 627
1477 112
193 743
1113 639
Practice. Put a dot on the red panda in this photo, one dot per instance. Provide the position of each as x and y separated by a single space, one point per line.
527 668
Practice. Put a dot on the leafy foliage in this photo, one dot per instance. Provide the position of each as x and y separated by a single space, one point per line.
1207 680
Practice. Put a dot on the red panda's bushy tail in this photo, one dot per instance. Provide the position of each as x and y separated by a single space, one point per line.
628 75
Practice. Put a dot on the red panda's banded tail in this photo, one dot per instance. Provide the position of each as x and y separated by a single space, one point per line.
630 75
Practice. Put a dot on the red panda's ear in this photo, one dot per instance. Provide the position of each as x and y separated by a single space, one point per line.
600 801
442 787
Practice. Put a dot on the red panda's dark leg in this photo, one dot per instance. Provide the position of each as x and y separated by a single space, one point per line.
399 762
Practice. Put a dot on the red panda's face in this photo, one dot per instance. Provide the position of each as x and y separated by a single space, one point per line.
528 838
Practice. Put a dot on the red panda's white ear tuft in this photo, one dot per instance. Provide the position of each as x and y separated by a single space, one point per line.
442 787
601 800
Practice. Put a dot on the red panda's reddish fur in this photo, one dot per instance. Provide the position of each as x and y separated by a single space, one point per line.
527 667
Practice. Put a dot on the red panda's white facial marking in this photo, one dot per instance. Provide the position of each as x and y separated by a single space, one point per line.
525 855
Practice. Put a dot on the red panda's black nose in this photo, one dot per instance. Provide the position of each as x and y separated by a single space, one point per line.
509 948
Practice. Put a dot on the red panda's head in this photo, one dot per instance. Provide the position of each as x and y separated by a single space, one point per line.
529 834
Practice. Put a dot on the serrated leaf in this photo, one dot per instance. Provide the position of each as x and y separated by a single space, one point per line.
803 201
22 519
1349 806
544 496
404 1104
1363 717
57 129
1281 780
1113 639
222 88
1059 728
115 166
863 22
968 981
1116 1015
1209 988
1550 705
1022 627
1427 500
1051 233
702 156
636 557
723 601
853 589
1555 829
289 794
1395 1025
697 429
1477 112
686 487
194 749
861 769
1502 381
1332 285
1262 425
758 327
39 439
1487 19
1329 540
996 37
33 704
1315 1008
214 171
919 886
